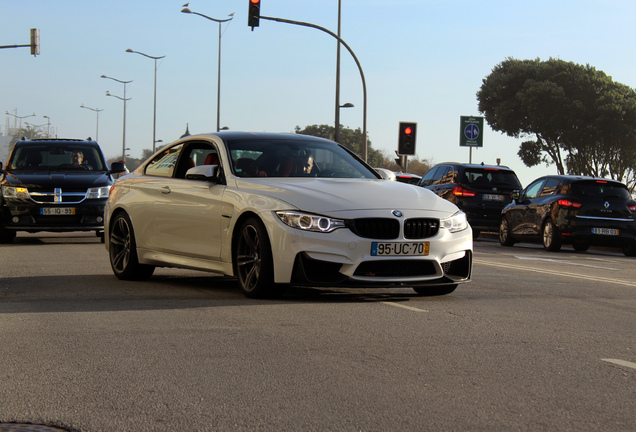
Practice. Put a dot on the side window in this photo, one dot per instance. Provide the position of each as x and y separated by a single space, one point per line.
428 177
550 187
533 190
163 165
440 175
196 154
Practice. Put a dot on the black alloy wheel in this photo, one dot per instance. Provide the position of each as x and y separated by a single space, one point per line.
253 263
122 251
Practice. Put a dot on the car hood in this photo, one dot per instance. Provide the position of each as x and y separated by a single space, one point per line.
330 196
59 179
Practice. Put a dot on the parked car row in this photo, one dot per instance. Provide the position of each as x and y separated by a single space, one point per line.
553 210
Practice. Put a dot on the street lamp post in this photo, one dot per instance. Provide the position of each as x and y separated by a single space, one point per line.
97 110
337 132
218 85
48 126
123 144
154 110
19 117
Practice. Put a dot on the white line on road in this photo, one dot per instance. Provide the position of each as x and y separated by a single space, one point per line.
563 262
621 363
414 309
557 273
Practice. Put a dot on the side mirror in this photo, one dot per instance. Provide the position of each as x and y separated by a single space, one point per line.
515 195
117 167
203 173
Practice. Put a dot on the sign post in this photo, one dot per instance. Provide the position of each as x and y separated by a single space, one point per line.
471 133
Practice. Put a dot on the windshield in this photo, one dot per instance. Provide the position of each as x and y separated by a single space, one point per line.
600 189
489 177
291 158
55 157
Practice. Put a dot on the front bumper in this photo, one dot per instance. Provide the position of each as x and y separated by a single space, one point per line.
87 216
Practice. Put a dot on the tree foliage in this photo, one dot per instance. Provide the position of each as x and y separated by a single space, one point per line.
578 118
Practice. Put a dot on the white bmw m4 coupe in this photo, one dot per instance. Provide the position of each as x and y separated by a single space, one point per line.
281 210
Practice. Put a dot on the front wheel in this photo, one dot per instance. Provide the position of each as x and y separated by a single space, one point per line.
6 236
505 233
630 250
430 291
551 238
122 250
253 262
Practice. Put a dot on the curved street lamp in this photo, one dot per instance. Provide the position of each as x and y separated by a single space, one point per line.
154 110
218 84
97 110
123 144
19 117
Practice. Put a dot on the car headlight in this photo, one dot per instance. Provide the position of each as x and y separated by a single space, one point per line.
455 223
15 192
310 222
97 192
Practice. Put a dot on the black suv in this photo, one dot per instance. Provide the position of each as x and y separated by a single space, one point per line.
480 191
54 185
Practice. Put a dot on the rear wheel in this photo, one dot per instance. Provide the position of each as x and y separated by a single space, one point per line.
580 247
630 250
122 250
6 236
253 262
551 238
429 291
505 234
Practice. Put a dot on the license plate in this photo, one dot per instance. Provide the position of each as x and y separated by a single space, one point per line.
605 231
493 197
399 249
55 211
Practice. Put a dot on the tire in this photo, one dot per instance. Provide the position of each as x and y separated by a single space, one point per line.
122 250
580 247
6 236
476 234
433 290
550 237
253 262
505 233
630 250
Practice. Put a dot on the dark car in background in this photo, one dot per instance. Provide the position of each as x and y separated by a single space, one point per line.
54 185
576 210
481 191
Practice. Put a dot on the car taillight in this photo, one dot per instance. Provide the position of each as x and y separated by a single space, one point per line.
569 203
632 208
460 191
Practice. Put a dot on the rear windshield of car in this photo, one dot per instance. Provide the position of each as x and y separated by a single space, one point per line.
492 177
601 189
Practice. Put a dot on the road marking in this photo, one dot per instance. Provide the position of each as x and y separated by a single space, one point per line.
414 309
563 262
557 273
621 363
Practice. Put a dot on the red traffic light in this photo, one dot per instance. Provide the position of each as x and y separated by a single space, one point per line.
255 1
408 131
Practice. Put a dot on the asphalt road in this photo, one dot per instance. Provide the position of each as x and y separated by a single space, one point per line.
538 341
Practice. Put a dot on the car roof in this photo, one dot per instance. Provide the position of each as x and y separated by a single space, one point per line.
236 135
471 165
56 141
571 178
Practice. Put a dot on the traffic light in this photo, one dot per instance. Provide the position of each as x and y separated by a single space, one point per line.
254 13
35 41
406 138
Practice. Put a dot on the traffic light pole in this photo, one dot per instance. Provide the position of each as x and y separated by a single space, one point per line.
363 152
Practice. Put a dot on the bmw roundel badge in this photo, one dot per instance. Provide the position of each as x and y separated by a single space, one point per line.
397 213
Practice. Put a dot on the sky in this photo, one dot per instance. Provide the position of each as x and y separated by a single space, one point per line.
423 61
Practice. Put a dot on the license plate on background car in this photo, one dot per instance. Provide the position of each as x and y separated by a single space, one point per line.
493 197
55 211
605 231
399 249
